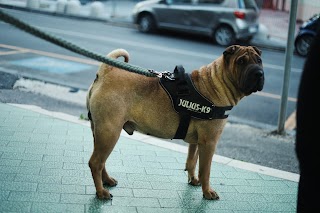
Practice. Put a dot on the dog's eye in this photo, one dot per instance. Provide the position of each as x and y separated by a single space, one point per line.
259 60
241 61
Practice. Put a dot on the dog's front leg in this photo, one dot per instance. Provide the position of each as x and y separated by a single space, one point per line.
191 163
206 151
107 180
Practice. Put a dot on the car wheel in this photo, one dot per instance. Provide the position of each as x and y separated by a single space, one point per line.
224 36
146 24
302 44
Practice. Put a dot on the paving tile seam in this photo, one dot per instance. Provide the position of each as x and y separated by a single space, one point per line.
170 146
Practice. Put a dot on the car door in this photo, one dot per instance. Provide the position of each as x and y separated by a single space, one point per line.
175 14
205 15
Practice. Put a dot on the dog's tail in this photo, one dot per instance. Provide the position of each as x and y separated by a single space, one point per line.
119 53
114 54
103 67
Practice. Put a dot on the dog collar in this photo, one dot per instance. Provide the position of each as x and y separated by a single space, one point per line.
188 102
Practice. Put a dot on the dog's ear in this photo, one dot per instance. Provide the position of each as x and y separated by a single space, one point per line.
257 50
229 51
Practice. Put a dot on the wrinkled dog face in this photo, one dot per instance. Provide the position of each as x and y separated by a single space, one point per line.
247 65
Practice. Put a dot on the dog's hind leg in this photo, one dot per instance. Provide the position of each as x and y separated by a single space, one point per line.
191 163
104 142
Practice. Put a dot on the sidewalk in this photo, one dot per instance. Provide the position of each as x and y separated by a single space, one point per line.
273 30
44 168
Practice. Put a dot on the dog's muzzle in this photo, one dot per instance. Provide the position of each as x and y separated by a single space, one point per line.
254 79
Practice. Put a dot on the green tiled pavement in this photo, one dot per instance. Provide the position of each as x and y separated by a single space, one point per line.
44 168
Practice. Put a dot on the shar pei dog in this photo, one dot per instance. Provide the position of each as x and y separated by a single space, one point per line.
118 99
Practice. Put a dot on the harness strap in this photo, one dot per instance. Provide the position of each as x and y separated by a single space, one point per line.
188 102
183 126
182 89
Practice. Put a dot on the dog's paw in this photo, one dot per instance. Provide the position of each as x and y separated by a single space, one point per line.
211 195
110 182
194 181
104 195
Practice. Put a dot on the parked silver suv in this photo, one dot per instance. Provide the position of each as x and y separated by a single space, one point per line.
224 20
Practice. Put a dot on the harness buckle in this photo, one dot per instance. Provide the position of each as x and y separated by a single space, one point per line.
165 74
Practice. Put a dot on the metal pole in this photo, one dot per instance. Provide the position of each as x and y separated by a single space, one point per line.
287 68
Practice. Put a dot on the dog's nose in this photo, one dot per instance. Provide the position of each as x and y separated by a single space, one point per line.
259 74
260 79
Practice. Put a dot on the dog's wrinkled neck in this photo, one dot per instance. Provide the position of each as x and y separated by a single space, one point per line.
215 85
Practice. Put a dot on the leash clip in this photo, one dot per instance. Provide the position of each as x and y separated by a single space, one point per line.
165 74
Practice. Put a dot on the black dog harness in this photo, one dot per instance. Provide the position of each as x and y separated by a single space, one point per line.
188 102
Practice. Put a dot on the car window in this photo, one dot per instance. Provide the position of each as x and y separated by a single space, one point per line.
210 1
248 4
181 1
